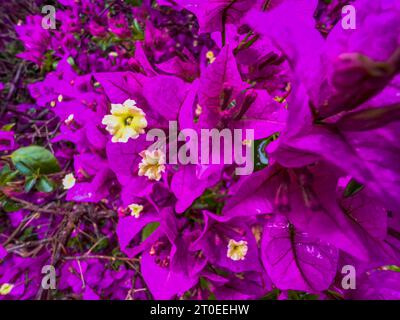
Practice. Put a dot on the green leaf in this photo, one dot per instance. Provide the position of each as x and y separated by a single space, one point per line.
352 188
29 183
137 30
7 175
10 206
49 61
135 3
5 170
101 245
261 159
334 295
272 295
23 169
71 61
7 127
212 296
36 159
28 234
392 268
204 284
300 295
44 185
116 263
149 229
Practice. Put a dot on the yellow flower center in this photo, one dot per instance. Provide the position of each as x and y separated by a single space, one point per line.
237 250
136 209
125 122
152 164
69 181
6 288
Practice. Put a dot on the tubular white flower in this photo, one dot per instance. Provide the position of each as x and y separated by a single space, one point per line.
135 209
125 122
237 250
152 164
69 181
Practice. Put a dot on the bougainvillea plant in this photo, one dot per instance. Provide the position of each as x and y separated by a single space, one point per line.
83 192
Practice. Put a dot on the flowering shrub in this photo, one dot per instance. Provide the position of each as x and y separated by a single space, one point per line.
82 189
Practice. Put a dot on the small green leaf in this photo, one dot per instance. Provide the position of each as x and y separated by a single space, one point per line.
35 159
135 3
29 183
149 229
7 127
392 268
204 284
212 296
101 245
352 188
71 61
137 30
261 158
7 175
334 295
44 185
272 295
23 169
28 233
10 206
5 170
300 295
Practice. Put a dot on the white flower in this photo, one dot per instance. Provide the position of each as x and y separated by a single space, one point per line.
237 250
210 56
69 181
136 209
125 121
152 164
